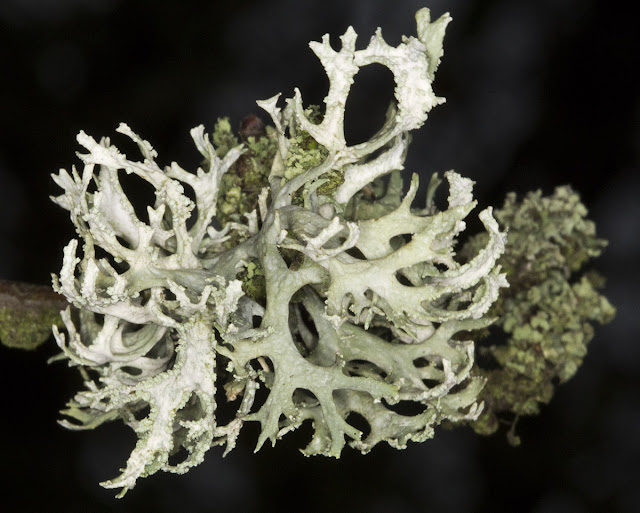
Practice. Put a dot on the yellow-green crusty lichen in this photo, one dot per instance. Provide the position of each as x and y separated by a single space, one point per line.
304 153
242 184
547 313
253 281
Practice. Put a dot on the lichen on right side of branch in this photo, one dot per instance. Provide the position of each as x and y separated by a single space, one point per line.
546 318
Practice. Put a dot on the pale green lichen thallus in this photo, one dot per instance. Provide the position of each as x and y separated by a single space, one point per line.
297 266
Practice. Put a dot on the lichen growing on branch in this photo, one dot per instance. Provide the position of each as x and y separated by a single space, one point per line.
291 262
545 319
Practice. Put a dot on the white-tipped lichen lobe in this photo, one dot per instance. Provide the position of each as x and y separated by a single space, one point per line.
318 280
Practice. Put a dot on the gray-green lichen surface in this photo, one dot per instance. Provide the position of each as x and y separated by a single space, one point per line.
297 266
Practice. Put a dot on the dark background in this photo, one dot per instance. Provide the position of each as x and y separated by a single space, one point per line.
540 93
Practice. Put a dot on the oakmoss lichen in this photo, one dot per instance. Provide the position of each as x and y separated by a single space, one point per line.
331 307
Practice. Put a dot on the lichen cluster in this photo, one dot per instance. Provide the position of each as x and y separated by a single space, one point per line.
545 319
247 176
296 283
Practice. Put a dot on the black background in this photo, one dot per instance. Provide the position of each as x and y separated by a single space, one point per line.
539 94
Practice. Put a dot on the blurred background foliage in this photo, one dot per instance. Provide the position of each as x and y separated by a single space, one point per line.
540 94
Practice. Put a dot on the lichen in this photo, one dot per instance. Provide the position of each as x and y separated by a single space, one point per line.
545 318
253 282
242 184
300 266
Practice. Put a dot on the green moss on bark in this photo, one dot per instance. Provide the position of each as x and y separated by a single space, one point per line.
27 313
